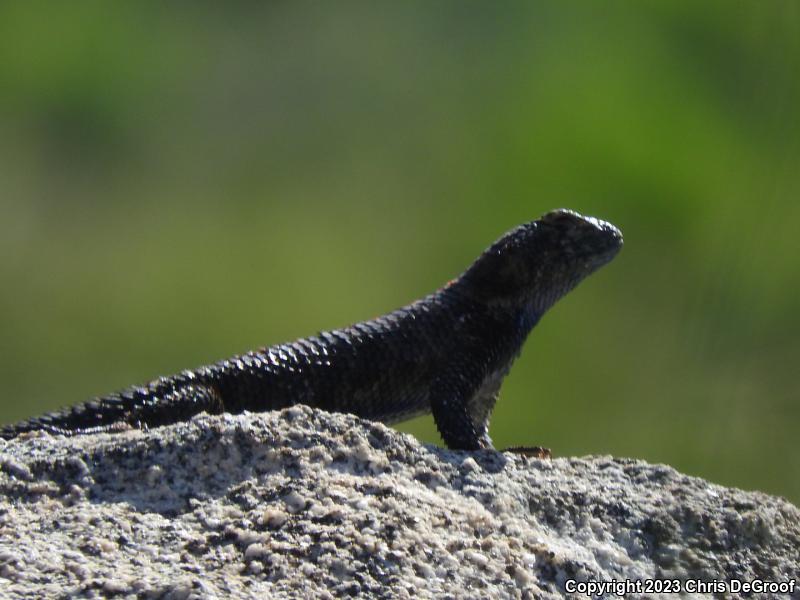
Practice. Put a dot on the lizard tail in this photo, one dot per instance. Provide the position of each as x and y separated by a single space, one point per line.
161 402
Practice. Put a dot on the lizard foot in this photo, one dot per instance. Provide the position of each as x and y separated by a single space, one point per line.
530 451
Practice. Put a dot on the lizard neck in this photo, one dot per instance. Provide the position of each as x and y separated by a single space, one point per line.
521 313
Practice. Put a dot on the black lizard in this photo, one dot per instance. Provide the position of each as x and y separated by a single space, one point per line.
446 353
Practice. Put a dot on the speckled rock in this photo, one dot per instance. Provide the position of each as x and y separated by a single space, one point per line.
300 503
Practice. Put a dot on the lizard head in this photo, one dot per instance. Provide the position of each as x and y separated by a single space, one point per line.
535 264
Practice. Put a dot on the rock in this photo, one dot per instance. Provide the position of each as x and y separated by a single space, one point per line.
301 503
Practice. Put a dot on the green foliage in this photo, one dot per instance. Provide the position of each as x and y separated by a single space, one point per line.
182 182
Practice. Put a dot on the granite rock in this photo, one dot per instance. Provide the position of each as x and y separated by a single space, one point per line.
302 503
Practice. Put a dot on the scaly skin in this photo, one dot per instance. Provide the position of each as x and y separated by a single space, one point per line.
446 354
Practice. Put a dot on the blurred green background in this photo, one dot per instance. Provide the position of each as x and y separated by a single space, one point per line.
181 182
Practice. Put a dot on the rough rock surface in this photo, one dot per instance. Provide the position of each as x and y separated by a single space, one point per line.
301 503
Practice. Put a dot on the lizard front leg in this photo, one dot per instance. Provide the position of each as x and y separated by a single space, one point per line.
453 403
461 412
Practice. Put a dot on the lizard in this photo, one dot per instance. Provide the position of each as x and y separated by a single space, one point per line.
446 353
